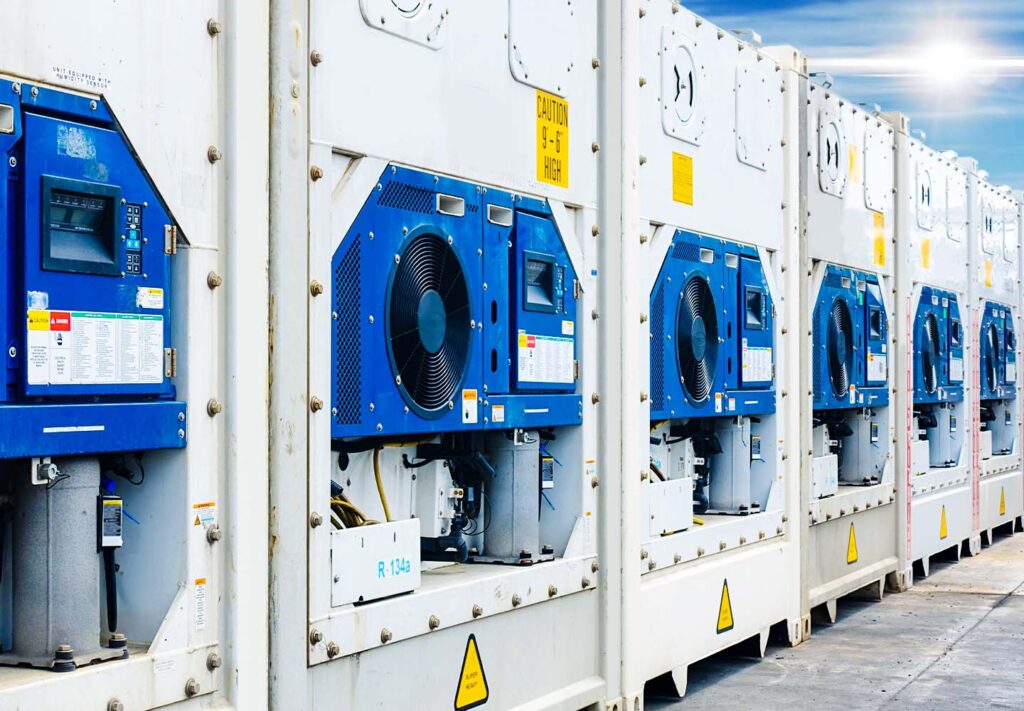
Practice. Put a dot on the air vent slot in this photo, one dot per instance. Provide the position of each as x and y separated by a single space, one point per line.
451 205
498 215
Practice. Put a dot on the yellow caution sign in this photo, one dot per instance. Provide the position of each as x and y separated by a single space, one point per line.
472 690
854 163
724 610
943 529
1002 501
851 547
878 222
552 139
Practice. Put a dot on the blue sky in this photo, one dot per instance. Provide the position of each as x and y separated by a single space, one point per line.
975 111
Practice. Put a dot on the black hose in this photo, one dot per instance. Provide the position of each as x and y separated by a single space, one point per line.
108 572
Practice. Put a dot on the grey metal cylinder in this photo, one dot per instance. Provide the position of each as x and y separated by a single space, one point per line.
56 566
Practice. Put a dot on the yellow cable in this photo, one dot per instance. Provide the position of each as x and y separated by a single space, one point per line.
380 484
698 521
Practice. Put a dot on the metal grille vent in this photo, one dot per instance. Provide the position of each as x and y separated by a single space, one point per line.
686 251
348 364
658 350
816 347
411 198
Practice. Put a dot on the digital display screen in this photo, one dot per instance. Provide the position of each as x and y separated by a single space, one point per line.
80 227
540 283
75 212
755 308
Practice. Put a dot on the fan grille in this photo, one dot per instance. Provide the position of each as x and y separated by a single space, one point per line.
697 338
839 346
428 325
658 350
930 353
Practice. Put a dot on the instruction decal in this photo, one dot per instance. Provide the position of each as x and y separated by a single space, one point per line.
725 622
1002 501
89 348
200 599
682 178
851 547
545 359
943 529
472 689
552 139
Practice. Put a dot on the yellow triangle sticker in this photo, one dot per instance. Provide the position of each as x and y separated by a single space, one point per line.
198 522
1002 501
851 547
472 690
724 610
943 529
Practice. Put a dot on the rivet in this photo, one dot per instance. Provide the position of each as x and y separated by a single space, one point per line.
315 173
332 650
477 611
213 154
595 62
595 398
191 688
213 27
552 591
214 280
434 622
115 705
585 582
595 566
316 404
213 661
516 600
316 288
385 635
595 147
315 520
315 58
213 407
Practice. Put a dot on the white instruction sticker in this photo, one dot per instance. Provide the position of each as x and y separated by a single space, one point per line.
757 363
200 592
545 359
877 369
89 348
469 407
956 369
149 298
568 328
1011 373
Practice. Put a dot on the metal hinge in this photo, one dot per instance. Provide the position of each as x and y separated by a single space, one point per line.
170 239
575 288
575 370
170 362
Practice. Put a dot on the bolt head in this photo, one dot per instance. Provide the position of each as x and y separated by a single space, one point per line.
332 650
385 635
315 636
191 688
214 280
315 58
213 661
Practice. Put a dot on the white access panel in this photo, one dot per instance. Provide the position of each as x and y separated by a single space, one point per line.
850 177
711 130
168 73
381 89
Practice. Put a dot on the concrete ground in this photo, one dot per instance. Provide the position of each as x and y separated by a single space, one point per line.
953 641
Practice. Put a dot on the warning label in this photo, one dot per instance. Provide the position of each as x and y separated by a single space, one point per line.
956 369
204 513
877 366
851 547
943 528
1002 501
552 139
88 348
200 593
545 359
472 689
757 363
879 240
724 610
682 178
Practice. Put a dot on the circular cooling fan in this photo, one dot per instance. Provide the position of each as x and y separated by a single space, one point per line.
428 326
839 346
930 353
697 338
991 348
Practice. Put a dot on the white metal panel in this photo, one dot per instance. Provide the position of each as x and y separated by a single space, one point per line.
849 201
422 22
371 562
456 109
542 39
711 137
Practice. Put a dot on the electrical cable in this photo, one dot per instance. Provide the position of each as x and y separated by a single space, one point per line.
380 484
109 569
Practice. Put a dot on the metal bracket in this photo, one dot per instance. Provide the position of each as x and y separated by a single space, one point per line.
43 471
